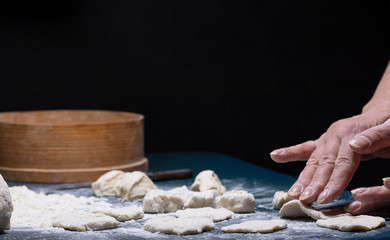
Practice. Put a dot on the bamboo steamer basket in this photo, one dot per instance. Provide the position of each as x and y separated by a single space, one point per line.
69 145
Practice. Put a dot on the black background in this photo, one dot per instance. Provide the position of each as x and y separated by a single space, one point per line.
236 77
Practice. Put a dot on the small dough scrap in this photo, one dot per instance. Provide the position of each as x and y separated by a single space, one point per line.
6 206
237 201
216 215
280 198
295 208
134 185
207 180
122 214
352 223
179 226
201 199
160 201
84 222
107 184
256 226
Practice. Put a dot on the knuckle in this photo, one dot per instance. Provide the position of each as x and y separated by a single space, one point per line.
345 161
327 159
312 161
345 126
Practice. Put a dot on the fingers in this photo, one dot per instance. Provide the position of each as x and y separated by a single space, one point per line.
344 167
325 165
369 199
357 207
386 183
294 153
371 194
372 139
306 176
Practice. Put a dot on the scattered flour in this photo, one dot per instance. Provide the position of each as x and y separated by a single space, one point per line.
36 210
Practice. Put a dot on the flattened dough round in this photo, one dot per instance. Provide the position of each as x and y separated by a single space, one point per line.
122 214
215 214
352 223
256 226
179 226
84 222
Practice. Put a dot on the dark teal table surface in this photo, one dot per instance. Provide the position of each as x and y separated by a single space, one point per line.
235 175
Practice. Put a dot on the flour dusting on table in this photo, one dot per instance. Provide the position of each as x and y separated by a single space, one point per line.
36 210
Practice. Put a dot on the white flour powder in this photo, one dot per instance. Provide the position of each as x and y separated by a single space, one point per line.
35 210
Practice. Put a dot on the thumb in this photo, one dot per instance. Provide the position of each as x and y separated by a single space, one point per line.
372 139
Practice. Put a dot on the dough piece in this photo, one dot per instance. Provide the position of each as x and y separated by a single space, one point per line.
6 206
237 201
84 222
295 208
216 215
122 214
207 180
256 226
201 199
160 201
280 198
107 184
179 226
352 223
134 185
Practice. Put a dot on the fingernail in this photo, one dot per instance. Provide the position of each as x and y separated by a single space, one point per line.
386 181
359 191
278 152
306 194
322 197
360 142
353 206
295 190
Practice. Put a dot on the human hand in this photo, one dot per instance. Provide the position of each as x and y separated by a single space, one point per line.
374 200
331 161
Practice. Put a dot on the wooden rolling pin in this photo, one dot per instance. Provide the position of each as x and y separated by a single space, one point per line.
155 176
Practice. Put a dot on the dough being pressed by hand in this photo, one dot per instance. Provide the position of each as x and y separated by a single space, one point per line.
208 180
352 223
84 222
256 226
6 206
179 226
280 198
160 201
237 201
122 214
295 208
134 185
215 214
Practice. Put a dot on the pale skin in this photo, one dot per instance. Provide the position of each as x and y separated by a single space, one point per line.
332 159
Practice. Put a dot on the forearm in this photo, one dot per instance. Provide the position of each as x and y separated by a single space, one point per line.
381 98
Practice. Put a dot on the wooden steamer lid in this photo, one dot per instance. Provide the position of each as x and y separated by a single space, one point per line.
69 145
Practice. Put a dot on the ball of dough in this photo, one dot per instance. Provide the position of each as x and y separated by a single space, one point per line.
134 186
107 184
280 198
201 199
207 180
237 201
160 201
6 206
